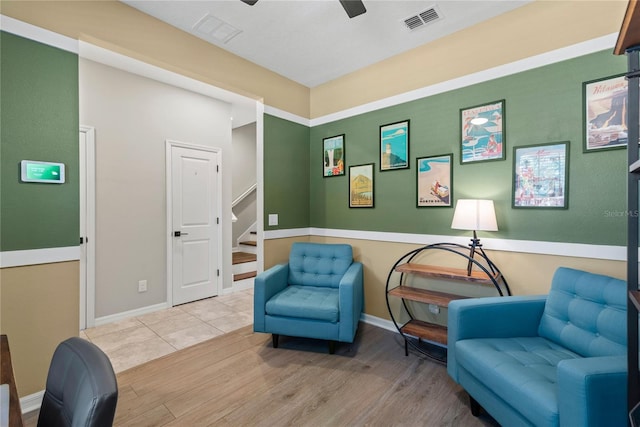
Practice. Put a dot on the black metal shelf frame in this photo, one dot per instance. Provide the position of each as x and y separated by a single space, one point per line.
480 260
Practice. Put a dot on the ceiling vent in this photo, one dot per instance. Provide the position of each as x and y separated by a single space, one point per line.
421 19
216 29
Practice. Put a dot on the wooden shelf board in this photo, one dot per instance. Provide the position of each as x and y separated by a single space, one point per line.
629 35
634 297
441 299
447 273
426 331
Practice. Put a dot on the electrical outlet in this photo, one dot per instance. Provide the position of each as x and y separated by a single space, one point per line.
434 309
142 286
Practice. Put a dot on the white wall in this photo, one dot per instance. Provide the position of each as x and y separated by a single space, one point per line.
133 117
244 158
244 176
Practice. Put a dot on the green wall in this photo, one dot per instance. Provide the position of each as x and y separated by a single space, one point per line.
38 121
542 105
286 173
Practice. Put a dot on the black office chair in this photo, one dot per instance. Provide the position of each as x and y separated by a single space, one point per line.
81 387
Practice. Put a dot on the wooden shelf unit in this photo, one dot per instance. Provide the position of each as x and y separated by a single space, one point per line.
424 296
416 331
426 331
448 273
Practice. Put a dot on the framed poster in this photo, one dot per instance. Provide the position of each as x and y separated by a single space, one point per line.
333 154
541 176
605 114
482 136
394 146
434 181
361 186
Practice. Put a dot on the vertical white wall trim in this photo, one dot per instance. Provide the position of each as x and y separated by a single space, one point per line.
88 218
260 110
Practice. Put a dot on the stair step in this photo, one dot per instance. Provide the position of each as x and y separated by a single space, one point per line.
249 243
242 257
243 276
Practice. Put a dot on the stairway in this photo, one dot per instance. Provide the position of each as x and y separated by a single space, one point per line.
244 265
244 262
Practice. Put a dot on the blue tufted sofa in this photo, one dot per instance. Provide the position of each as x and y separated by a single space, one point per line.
317 294
556 360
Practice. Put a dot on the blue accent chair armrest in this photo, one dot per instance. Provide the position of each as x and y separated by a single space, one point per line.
266 285
593 391
351 300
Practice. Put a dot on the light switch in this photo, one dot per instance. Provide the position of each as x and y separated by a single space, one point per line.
273 219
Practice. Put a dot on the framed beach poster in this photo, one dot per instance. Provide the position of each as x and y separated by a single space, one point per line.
605 114
541 176
361 186
434 181
394 146
482 136
333 154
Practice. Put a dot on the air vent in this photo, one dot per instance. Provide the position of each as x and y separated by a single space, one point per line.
216 29
421 19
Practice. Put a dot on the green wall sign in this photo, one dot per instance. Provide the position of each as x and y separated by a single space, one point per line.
46 172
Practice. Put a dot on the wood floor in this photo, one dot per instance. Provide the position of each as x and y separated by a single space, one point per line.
238 379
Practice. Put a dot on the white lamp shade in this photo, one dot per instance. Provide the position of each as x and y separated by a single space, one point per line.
472 214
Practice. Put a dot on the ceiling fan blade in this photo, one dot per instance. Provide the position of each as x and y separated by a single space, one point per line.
352 7
249 2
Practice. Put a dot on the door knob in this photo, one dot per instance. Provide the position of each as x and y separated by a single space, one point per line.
178 234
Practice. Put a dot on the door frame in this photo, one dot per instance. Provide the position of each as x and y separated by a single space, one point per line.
169 144
87 177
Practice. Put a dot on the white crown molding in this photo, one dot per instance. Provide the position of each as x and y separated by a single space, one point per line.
39 256
547 58
578 250
31 32
286 115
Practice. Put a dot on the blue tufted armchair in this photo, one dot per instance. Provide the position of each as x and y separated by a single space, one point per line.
556 360
317 294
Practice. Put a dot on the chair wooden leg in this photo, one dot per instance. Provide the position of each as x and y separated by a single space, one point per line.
475 407
274 340
332 347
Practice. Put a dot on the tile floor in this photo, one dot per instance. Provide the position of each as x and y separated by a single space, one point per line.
131 342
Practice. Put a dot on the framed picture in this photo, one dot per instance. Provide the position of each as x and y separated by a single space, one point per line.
605 113
361 186
333 154
482 136
434 181
541 176
394 146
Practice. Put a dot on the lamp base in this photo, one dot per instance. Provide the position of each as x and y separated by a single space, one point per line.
475 244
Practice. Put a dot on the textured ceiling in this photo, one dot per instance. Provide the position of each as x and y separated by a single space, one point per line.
314 41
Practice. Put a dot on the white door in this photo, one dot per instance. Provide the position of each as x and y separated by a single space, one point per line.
195 201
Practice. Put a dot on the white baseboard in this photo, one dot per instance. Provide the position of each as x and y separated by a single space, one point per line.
240 285
31 402
131 313
379 322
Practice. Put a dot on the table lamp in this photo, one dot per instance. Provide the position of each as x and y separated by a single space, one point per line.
476 215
